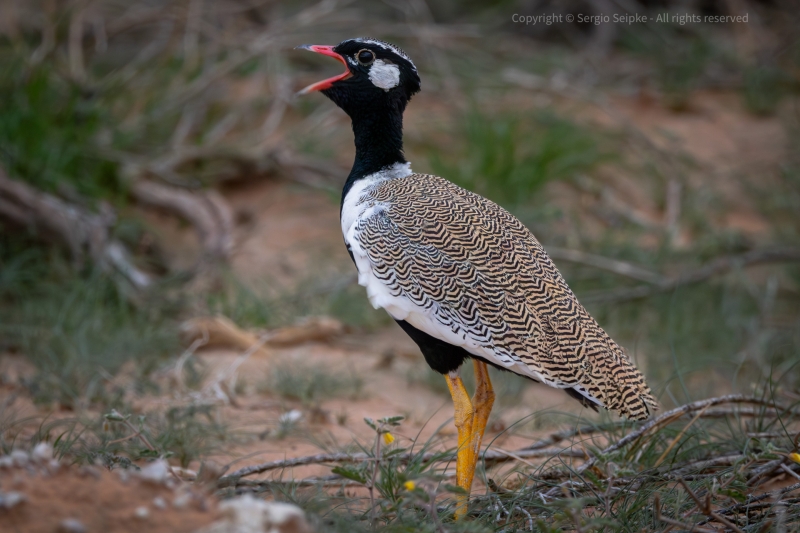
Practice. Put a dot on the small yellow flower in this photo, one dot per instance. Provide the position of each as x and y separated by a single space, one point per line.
795 457
388 438
410 485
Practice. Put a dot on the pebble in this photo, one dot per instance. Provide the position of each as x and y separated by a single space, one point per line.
71 525
19 458
42 452
142 512
291 417
159 502
182 500
11 499
156 472
246 514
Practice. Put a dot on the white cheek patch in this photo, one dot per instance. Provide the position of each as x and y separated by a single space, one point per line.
384 75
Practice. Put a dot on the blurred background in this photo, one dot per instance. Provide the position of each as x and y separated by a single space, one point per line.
169 207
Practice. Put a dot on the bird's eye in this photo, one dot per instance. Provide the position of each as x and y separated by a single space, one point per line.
365 57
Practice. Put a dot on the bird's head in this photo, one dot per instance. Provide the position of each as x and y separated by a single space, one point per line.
376 75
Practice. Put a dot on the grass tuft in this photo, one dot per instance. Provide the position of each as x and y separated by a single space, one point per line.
508 159
77 329
312 382
49 130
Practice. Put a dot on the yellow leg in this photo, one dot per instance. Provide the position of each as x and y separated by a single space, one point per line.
470 420
482 403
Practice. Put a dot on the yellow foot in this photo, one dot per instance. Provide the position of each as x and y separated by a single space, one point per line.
470 420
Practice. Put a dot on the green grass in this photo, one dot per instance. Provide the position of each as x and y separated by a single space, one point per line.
763 88
680 56
181 434
77 329
262 305
508 159
49 133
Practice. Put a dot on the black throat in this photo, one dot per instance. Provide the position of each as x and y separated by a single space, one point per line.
378 132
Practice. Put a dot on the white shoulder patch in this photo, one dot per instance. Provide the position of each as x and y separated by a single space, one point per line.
384 75
355 203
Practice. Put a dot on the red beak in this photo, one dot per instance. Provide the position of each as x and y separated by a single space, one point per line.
325 84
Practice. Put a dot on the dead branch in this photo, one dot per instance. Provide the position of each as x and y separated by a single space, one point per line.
754 500
221 332
622 268
684 470
763 471
705 507
207 211
709 270
557 437
315 328
488 456
676 523
323 481
218 331
83 233
670 416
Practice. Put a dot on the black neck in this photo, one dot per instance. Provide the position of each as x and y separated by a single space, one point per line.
379 140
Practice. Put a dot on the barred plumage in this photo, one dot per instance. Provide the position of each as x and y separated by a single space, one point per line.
463 270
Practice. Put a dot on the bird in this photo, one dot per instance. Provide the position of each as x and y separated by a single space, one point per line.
463 277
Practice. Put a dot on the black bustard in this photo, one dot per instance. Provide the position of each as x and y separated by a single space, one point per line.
463 277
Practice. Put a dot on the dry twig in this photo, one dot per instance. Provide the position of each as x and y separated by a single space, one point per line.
622 268
709 270
84 233
668 417
488 456
207 211
673 522
705 507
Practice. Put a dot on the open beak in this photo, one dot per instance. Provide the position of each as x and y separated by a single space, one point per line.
325 84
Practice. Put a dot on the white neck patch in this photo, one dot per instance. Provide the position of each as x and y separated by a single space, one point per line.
384 75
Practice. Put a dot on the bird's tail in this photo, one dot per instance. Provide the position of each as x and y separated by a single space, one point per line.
623 388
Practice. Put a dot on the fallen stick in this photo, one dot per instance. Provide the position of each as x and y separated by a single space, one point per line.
489 456
709 270
81 231
670 416
622 268
206 211
751 500
705 507
557 437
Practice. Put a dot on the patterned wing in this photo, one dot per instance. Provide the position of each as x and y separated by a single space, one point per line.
466 271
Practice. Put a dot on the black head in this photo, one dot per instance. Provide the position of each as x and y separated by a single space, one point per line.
376 74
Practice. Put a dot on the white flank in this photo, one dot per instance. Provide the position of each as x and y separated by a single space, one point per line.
384 75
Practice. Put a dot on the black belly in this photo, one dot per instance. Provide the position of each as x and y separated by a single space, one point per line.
440 356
